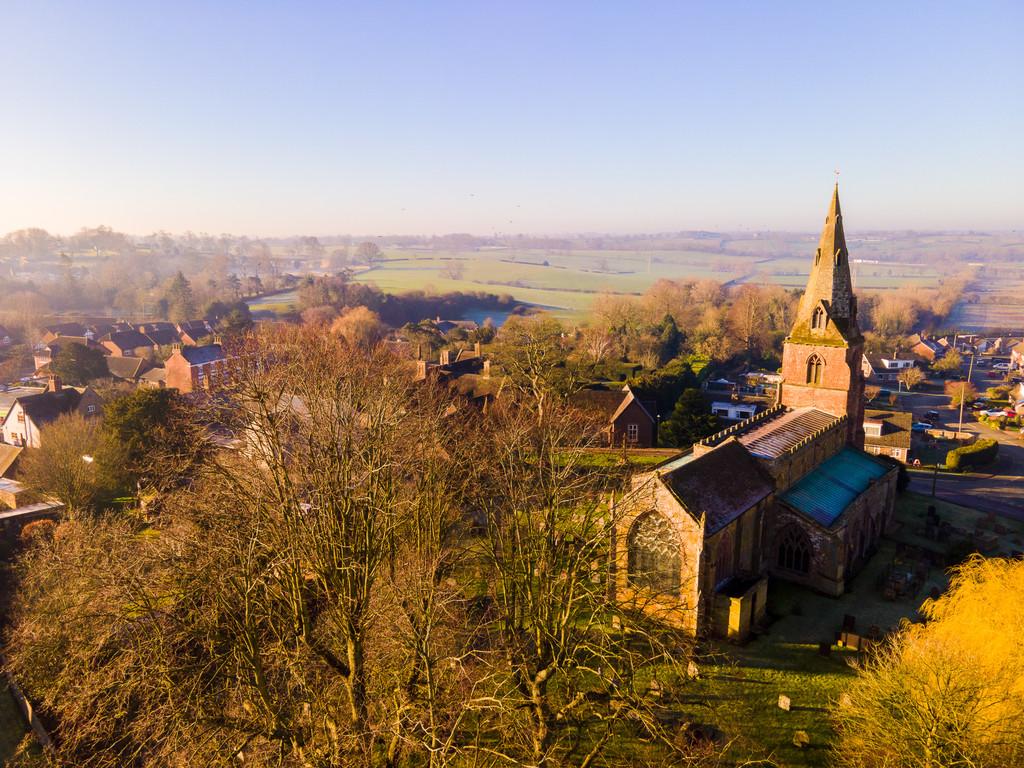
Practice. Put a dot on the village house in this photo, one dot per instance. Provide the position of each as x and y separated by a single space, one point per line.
733 411
886 369
161 333
789 493
926 349
30 413
465 371
73 329
195 369
626 419
888 433
194 332
5 337
128 368
1017 356
128 344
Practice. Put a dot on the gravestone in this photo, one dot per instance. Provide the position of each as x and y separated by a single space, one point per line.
692 671
801 739
825 648
845 700
784 702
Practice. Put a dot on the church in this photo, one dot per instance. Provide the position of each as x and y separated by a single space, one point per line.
789 493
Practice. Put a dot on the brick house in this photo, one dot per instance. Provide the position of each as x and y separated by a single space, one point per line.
128 344
888 433
886 369
193 332
193 369
628 421
30 413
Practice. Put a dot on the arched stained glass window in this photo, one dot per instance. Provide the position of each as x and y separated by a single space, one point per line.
815 369
794 550
654 557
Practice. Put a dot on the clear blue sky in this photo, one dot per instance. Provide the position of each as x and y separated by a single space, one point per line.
274 118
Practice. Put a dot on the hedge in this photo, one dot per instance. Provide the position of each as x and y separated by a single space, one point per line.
981 452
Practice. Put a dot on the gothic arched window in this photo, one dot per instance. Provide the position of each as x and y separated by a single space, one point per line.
818 318
794 550
654 557
815 369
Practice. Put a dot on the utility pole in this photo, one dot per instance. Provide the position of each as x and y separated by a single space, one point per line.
963 395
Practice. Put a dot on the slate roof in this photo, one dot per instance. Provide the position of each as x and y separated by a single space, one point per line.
163 336
129 340
47 406
194 328
896 428
775 437
603 401
824 494
67 329
207 353
722 484
127 367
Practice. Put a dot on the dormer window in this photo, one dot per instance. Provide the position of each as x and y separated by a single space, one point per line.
818 319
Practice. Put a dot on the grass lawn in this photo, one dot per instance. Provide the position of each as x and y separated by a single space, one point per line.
739 689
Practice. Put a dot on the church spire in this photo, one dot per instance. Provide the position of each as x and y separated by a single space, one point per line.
830 283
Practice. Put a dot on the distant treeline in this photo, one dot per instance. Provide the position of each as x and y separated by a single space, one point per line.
338 293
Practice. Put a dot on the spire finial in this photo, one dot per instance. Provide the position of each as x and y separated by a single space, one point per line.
836 172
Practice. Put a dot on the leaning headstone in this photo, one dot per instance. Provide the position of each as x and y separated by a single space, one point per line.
616 622
801 739
692 671
784 702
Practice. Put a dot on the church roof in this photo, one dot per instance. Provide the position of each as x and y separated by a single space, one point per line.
776 437
824 494
721 484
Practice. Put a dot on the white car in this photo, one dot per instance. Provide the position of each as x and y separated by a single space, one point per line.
1001 366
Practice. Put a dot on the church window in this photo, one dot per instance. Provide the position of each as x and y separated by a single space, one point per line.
817 257
654 557
794 550
818 318
815 369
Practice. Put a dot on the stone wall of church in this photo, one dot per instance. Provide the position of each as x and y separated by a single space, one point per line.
684 609
841 390
838 553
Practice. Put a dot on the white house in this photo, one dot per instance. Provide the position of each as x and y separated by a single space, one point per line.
733 411
29 414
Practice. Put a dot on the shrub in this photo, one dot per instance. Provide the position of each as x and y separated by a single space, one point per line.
981 452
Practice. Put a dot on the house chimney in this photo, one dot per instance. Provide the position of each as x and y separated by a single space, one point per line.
216 339
53 383
487 369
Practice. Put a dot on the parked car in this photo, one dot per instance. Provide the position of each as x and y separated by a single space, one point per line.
1001 366
932 416
921 426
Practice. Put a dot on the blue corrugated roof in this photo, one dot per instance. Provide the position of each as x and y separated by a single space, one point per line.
823 494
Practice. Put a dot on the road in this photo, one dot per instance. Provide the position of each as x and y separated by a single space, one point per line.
1000 489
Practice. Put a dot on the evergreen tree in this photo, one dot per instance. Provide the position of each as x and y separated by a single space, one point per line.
181 304
690 421
78 364
669 339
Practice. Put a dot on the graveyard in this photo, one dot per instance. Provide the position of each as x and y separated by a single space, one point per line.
807 652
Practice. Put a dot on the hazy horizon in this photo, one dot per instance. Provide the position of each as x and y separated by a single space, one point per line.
405 119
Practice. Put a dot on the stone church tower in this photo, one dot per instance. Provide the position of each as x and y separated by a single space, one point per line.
821 358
